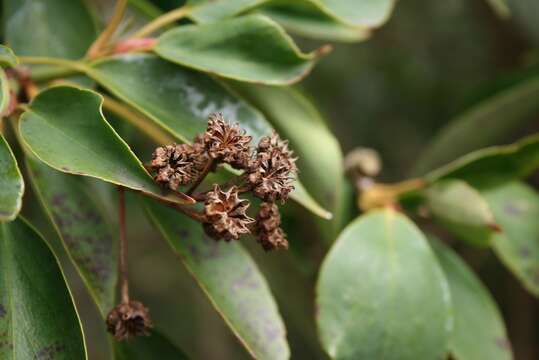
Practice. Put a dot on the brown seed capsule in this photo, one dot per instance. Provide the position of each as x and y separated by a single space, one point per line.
226 142
127 320
226 214
274 240
268 222
272 172
177 165
268 217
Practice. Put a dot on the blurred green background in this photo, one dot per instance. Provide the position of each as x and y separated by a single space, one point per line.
393 92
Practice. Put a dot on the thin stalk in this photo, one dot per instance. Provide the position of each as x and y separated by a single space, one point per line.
162 21
202 176
103 40
75 66
124 283
137 120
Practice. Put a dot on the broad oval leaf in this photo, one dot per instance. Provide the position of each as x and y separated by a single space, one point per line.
479 331
462 210
360 13
66 28
516 209
250 48
11 183
147 347
305 20
65 128
5 93
37 315
86 234
381 293
493 165
506 111
230 279
179 100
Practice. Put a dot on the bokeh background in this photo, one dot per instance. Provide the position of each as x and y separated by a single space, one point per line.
393 92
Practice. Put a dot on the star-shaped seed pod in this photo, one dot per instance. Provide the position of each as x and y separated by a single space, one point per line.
268 222
272 172
225 213
226 142
177 165
128 320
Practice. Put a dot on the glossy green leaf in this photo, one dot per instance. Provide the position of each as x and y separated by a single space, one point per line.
382 294
179 100
479 331
516 209
55 28
493 165
304 20
65 128
251 48
11 183
462 210
7 57
230 279
295 118
5 93
361 13
87 236
506 111
147 347
37 317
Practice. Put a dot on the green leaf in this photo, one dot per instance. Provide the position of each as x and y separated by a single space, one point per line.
83 228
462 210
7 57
147 347
474 312
516 209
506 111
295 118
11 183
230 279
37 317
304 20
382 294
65 128
54 28
5 93
250 48
360 13
179 100
493 165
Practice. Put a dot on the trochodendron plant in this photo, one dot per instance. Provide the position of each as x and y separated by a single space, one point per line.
206 84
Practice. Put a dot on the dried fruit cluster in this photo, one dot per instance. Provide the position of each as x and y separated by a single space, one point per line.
268 173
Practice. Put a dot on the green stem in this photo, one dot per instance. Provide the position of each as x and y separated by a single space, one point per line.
162 21
101 43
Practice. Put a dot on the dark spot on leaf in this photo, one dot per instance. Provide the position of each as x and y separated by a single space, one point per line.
512 209
3 311
525 252
503 343
205 249
183 233
246 280
50 352
65 169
